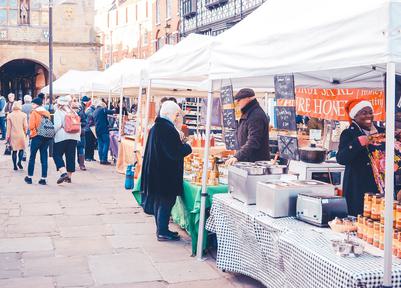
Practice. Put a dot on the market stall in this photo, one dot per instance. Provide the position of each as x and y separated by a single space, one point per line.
284 252
328 44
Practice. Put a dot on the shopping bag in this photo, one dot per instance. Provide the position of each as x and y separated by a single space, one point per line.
93 129
7 151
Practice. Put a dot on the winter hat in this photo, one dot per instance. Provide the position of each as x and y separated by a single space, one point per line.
41 96
354 106
244 93
85 99
64 100
38 101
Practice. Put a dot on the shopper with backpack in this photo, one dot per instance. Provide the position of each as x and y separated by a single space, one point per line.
68 130
3 103
41 132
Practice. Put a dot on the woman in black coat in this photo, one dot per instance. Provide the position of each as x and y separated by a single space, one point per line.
163 169
353 153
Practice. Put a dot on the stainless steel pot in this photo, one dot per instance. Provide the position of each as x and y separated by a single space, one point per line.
312 154
255 170
277 169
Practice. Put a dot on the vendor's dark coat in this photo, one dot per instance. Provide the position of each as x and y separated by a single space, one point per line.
163 164
253 134
358 176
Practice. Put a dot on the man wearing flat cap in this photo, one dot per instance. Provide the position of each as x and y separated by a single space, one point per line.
253 129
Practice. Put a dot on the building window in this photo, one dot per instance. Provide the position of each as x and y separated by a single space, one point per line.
126 15
157 12
170 39
169 8
188 8
145 38
108 20
159 43
23 12
116 17
136 12
147 9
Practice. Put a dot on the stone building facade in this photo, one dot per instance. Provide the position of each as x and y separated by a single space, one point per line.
124 29
24 32
166 23
212 17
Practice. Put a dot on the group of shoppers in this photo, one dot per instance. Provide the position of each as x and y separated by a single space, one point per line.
73 129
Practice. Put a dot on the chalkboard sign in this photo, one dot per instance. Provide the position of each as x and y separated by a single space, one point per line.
230 139
284 86
226 95
229 119
285 117
288 147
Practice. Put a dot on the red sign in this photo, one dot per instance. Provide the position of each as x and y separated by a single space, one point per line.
330 103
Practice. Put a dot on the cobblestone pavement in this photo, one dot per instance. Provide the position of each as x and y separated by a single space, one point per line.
90 233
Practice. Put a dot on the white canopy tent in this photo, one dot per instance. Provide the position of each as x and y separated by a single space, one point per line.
74 82
331 40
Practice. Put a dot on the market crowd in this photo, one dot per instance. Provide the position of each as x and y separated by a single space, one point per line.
75 130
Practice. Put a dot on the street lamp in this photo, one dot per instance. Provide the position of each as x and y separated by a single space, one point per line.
51 47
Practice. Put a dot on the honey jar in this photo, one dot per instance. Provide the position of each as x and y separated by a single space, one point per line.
395 242
367 205
359 222
369 236
398 243
382 209
376 234
365 229
395 213
376 203
398 216
381 239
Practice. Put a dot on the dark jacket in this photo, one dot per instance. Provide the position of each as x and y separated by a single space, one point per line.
90 121
163 164
358 176
253 134
101 121
84 118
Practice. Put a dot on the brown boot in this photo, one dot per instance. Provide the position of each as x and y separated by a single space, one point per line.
81 161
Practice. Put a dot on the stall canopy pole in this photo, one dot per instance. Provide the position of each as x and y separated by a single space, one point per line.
109 100
199 249
389 178
145 128
120 118
138 116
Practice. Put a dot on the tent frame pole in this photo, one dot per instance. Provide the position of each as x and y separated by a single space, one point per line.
201 228
120 116
147 112
138 117
389 177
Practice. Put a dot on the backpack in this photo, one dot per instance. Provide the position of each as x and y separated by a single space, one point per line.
46 128
2 103
72 123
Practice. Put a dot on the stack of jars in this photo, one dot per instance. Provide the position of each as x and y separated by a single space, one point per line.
371 223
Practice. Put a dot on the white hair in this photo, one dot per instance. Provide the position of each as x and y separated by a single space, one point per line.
27 99
169 109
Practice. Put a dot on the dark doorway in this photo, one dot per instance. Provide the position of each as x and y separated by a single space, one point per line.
22 77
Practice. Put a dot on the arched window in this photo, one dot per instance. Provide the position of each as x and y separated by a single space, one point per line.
157 12
169 8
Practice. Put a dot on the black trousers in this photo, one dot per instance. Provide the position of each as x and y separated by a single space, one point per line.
90 145
67 148
162 212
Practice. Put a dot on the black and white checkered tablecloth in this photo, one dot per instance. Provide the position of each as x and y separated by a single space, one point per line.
285 252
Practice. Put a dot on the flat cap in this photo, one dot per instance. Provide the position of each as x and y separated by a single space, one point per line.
244 93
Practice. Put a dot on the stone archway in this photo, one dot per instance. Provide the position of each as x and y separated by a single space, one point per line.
21 77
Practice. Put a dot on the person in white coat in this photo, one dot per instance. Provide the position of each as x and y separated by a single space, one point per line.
65 140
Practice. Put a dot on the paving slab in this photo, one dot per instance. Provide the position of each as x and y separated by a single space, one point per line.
134 229
81 246
25 244
74 280
78 220
123 268
185 271
55 266
86 231
30 282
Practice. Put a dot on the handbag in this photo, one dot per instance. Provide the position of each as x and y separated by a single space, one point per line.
46 128
8 149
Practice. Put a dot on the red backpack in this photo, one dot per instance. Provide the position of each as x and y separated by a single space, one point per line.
72 122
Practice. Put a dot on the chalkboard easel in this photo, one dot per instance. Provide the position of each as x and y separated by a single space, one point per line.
285 118
284 86
288 147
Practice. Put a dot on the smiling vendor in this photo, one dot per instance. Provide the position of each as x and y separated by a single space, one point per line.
353 153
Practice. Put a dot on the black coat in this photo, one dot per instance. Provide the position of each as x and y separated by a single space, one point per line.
101 120
358 176
253 134
163 164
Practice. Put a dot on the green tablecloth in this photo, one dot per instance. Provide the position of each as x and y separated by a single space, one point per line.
186 211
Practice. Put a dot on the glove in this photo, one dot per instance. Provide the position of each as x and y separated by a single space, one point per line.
363 140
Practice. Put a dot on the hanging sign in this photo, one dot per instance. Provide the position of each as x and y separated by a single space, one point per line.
285 118
229 122
284 86
330 104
